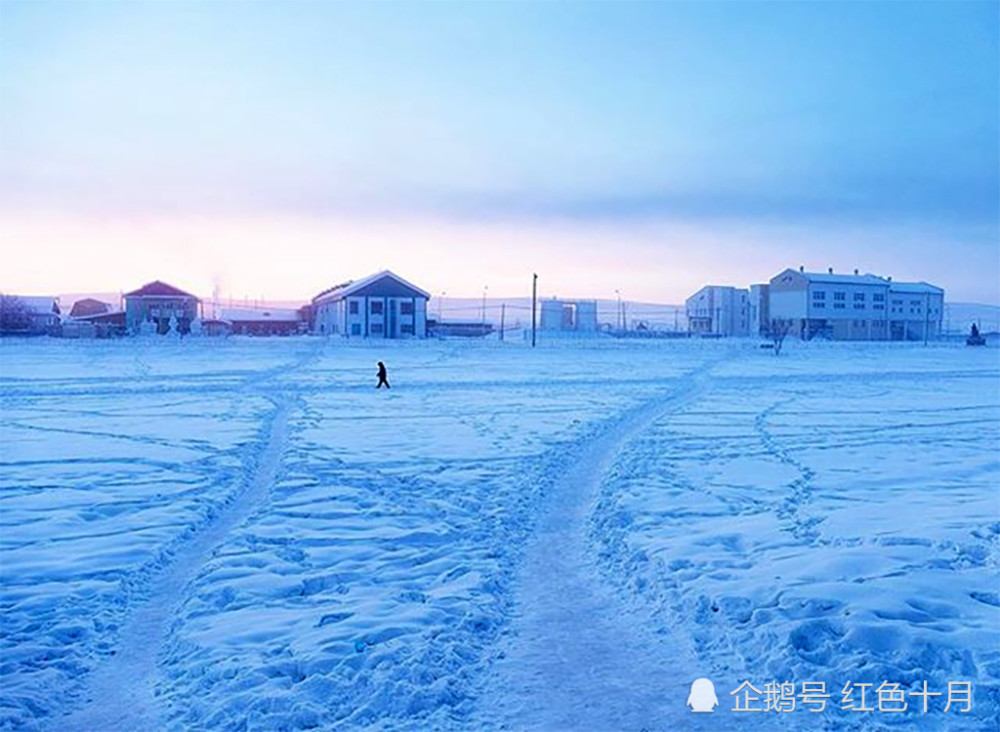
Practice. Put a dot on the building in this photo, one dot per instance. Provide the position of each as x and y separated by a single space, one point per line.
569 315
916 311
215 327
89 306
29 315
760 312
719 310
855 306
383 305
98 325
262 321
156 305
458 328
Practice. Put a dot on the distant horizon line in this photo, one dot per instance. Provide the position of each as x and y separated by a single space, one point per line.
471 300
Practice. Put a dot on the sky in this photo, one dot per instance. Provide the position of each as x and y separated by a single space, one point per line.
271 149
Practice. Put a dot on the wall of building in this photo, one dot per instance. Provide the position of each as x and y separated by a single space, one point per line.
551 314
373 316
159 310
719 310
586 315
760 311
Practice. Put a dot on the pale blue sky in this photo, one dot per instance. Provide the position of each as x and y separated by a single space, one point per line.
841 134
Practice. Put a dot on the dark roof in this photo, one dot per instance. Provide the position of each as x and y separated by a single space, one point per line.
115 318
158 289
88 306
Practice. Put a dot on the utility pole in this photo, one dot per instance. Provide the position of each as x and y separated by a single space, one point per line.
503 312
485 288
618 314
534 302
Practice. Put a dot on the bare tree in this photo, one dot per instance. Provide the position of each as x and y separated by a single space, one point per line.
15 315
779 330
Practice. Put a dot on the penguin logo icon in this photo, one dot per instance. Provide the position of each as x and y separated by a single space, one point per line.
702 697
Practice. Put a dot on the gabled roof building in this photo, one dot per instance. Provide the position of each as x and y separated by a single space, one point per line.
156 305
383 305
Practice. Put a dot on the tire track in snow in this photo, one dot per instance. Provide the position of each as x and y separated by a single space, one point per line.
578 658
121 693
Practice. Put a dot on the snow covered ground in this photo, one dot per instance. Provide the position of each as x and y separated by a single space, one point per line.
245 535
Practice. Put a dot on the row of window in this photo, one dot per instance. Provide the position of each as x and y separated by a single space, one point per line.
376 307
820 295
841 306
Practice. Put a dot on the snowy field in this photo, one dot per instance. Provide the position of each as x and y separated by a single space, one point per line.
245 535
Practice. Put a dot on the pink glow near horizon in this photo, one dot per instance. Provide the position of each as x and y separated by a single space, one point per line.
294 257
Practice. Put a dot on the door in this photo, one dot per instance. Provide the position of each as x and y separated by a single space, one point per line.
393 310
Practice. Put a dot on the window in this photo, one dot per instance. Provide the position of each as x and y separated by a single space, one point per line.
406 329
376 307
356 329
879 306
859 296
819 295
406 308
819 304
878 297
859 306
376 328
352 307
897 302
838 306
838 296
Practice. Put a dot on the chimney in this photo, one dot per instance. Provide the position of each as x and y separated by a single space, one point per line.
889 278
855 270
830 270
802 268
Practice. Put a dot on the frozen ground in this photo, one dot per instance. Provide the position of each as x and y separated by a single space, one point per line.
244 535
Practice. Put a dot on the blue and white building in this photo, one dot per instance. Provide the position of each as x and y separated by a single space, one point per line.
383 305
855 306
718 310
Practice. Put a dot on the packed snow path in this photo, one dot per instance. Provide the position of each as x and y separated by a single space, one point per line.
578 659
120 696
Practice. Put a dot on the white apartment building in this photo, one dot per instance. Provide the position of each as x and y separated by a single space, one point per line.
719 310
855 306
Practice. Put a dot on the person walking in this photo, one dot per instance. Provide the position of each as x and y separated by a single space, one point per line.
382 376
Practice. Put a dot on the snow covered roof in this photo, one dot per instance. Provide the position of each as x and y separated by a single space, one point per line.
235 315
845 279
915 288
156 288
347 289
40 304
